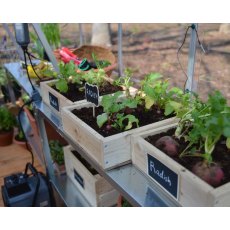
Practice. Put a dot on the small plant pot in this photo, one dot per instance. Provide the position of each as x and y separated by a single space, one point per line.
6 138
121 202
59 169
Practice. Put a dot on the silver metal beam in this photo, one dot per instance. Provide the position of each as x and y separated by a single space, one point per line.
12 37
46 46
120 62
82 40
191 84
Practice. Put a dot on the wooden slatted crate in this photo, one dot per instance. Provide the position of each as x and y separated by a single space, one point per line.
192 191
57 101
109 151
93 186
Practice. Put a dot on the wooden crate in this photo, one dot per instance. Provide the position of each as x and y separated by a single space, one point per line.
94 187
109 151
192 191
57 101
52 97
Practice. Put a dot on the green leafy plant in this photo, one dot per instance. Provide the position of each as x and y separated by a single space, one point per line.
56 151
68 74
52 33
20 136
207 123
26 98
95 77
100 63
125 81
7 120
115 112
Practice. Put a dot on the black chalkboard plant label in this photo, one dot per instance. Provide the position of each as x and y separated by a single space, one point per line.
92 94
163 175
53 100
78 178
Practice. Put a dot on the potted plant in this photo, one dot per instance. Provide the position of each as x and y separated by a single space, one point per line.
20 139
122 202
197 151
106 137
57 155
7 123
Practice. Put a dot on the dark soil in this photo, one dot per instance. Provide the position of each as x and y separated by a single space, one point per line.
145 117
221 155
84 162
76 92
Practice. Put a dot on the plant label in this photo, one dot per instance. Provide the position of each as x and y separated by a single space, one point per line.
92 94
78 178
53 101
164 176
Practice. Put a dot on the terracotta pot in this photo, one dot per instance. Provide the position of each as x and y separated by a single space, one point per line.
6 138
119 201
20 143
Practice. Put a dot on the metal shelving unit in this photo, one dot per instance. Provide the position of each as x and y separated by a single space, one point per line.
138 189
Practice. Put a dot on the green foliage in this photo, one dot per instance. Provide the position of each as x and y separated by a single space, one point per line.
100 63
56 151
205 123
121 121
7 120
37 46
3 79
26 98
62 85
68 74
125 81
114 107
95 77
52 33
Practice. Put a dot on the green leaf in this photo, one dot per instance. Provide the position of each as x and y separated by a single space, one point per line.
226 132
149 102
62 85
228 142
168 109
101 119
131 119
172 106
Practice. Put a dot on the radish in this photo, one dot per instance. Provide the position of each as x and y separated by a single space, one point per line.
212 174
168 145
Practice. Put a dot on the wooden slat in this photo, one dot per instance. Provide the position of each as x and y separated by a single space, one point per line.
96 189
109 151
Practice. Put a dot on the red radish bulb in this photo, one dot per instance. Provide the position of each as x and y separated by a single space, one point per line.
212 174
168 145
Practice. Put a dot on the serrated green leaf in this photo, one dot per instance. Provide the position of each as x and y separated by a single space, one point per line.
101 119
62 85
149 102
228 142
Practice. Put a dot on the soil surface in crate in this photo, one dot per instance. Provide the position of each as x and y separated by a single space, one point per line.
220 155
144 117
76 92
84 162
